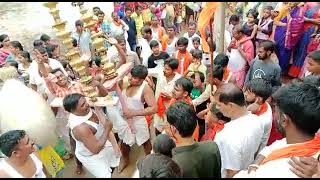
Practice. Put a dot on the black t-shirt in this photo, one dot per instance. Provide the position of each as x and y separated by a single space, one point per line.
153 58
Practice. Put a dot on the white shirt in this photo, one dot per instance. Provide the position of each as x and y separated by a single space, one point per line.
171 48
190 45
162 84
84 42
238 142
266 120
13 173
279 168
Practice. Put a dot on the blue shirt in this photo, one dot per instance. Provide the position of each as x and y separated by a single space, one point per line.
132 33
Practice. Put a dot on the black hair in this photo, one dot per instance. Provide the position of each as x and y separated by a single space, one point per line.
2 38
128 9
219 114
139 71
196 53
254 13
192 23
238 29
231 93
45 37
315 55
96 7
259 87
79 23
221 59
100 12
267 45
96 60
171 26
56 70
172 63
17 45
163 144
182 41
38 42
26 55
218 72
270 8
196 39
201 75
74 42
146 29
70 102
137 7
312 79
183 117
234 17
301 103
156 165
50 48
13 63
10 140
153 44
41 49
185 83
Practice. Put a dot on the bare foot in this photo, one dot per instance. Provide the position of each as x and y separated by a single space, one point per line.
123 164
67 156
79 170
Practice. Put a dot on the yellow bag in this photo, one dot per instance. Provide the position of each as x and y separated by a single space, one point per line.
51 161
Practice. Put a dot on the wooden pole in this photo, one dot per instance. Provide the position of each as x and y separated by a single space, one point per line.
211 48
222 27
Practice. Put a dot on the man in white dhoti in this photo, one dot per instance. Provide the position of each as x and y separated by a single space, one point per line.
133 128
96 146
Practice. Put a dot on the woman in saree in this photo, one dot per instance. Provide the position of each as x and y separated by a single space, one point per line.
311 20
283 53
5 49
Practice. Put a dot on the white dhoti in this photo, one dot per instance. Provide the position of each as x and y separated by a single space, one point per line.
121 126
99 164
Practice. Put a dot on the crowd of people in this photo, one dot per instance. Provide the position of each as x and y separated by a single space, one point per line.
254 112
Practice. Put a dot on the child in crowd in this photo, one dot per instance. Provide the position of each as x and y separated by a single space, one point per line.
200 88
223 60
156 54
95 66
265 25
160 164
196 64
196 43
183 56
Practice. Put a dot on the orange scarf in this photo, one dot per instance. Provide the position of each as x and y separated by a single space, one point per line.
263 109
306 149
164 42
161 107
225 75
196 131
187 60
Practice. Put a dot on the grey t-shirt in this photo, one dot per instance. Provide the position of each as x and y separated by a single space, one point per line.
267 70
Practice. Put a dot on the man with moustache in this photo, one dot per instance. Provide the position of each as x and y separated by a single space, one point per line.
264 67
298 111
